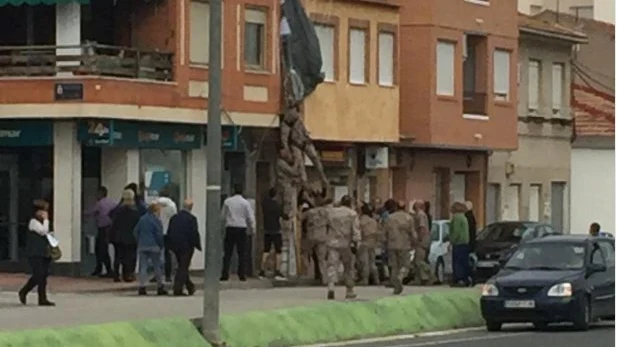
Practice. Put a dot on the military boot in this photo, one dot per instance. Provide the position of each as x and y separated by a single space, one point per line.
398 287
330 294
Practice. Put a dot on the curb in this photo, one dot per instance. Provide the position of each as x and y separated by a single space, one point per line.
344 321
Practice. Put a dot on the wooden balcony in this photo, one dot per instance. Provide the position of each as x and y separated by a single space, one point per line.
90 59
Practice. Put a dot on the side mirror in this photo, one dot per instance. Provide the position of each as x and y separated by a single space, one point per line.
593 268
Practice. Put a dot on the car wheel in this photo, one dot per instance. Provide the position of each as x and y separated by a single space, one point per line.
540 325
440 270
493 326
584 316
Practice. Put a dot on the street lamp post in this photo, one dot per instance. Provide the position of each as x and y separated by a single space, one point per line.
212 271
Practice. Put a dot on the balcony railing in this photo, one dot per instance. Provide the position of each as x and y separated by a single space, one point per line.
87 59
474 103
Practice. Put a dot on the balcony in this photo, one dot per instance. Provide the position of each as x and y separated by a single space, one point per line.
474 103
90 59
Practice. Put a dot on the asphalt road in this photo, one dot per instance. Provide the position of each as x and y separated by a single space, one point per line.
601 335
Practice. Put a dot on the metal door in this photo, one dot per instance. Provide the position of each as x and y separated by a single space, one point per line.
9 237
557 205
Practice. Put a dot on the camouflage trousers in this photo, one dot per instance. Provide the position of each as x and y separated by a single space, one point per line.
398 260
342 256
368 268
421 270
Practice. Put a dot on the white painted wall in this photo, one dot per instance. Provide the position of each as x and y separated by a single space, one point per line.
67 190
603 10
196 191
592 189
119 167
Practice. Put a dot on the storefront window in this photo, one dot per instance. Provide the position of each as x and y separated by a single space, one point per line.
163 170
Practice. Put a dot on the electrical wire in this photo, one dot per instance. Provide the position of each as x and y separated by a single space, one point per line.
590 70
580 72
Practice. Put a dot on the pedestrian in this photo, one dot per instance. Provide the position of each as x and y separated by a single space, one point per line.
371 237
39 258
429 215
459 243
422 271
343 239
594 229
168 210
150 244
101 211
272 213
316 220
121 236
239 219
473 227
183 240
399 238
139 200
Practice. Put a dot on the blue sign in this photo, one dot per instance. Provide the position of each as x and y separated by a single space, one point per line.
26 133
229 138
120 133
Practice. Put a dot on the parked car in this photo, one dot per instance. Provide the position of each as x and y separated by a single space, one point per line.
440 257
553 279
498 241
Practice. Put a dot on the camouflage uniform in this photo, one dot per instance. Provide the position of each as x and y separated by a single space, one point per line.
400 236
371 237
343 231
317 233
422 271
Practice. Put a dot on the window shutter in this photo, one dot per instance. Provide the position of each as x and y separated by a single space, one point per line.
501 74
199 50
325 34
533 85
357 41
445 68
557 87
386 59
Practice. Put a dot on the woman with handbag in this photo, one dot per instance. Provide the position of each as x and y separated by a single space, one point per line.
39 254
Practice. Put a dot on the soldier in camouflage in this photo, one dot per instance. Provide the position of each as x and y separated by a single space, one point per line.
422 271
316 220
343 238
371 237
399 238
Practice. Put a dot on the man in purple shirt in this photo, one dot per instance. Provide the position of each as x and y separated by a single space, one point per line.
100 211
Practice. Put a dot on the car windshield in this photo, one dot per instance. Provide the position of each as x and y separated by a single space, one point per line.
435 232
548 256
505 232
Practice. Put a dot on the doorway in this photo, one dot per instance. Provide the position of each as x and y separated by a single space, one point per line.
9 227
558 190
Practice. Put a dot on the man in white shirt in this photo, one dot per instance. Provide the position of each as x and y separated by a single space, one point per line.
239 219
168 210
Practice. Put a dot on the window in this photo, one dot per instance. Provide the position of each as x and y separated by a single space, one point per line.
326 36
533 85
255 38
582 11
163 170
357 56
386 59
609 253
445 68
597 256
557 88
199 49
501 75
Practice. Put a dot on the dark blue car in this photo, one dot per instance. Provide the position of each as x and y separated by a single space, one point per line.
553 279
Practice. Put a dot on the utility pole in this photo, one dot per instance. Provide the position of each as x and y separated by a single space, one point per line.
212 271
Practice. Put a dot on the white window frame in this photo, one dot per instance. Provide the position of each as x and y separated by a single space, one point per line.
445 58
357 56
257 16
328 49
501 78
557 87
534 66
199 34
386 41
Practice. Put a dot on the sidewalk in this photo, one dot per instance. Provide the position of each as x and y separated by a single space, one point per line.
79 309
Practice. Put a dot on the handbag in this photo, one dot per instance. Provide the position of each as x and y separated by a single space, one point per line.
53 250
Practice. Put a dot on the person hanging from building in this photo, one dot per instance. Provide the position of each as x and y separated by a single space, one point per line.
183 239
343 239
122 237
400 237
39 259
150 244
371 238
100 211
239 218
272 213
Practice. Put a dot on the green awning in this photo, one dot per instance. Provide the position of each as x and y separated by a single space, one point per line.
40 2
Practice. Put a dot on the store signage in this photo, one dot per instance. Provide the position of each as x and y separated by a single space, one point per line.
122 133
229 138
26 133
68 91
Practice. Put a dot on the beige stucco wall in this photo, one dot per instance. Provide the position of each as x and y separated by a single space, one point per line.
338 111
